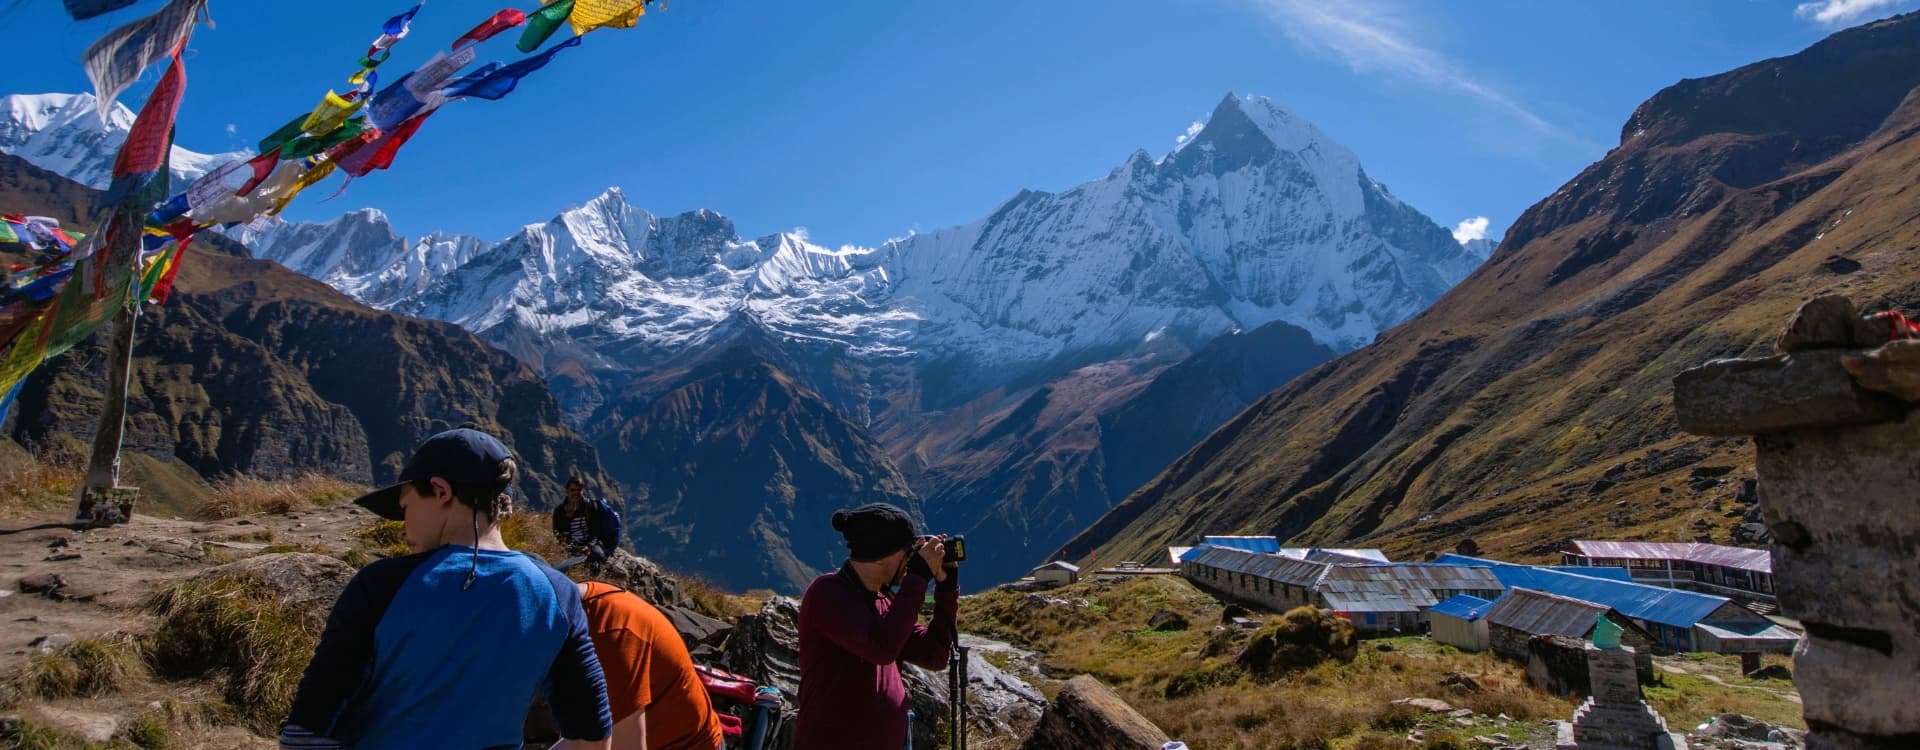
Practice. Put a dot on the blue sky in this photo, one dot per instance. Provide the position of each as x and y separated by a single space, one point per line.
867 119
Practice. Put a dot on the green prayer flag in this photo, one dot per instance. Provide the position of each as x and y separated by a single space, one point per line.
287 132
542 23
308 145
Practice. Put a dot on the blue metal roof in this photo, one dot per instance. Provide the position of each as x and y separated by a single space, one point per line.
1265 544
1680 609
1464 606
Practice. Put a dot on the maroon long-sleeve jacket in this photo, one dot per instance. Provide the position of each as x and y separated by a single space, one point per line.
851 640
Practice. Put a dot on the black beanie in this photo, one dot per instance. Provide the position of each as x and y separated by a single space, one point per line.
874 530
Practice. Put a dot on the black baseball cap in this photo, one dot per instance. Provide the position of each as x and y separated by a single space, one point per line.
463 457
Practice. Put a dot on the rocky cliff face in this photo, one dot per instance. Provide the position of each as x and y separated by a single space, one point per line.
1529 404
736 470
251 368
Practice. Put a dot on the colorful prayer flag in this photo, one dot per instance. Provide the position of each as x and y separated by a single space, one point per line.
593 14
145 149
542 23
115 60
394 30
495 81
82 10
330 114
487 29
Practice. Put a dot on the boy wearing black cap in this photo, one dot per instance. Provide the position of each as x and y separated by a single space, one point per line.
446 647
853 632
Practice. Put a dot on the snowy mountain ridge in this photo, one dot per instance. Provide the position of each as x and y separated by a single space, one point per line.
1257 217
63 133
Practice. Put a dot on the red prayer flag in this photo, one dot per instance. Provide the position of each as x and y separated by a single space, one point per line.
380 154
262 167
146 147
487 29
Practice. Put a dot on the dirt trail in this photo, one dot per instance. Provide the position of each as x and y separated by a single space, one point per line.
100 582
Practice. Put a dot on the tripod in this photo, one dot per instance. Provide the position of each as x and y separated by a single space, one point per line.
957 696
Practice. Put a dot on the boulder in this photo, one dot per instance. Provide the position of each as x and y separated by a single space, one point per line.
48 644
96 728
695 628
645 579
1459 683
1166 620
1088 715
1893 369
1430 705
299 580
1827 322
41 583
1741 397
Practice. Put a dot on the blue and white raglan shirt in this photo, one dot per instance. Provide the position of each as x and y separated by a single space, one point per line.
410 660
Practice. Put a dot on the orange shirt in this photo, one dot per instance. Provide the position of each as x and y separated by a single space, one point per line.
647 667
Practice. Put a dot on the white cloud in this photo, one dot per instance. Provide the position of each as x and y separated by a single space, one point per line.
233 129
1366 36
802 234
1192 130
1842 12
1469 230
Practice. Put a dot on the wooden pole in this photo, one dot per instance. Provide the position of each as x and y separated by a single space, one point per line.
103 467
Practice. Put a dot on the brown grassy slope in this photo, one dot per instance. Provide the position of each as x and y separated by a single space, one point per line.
1492 414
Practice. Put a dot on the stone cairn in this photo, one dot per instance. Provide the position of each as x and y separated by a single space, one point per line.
1837 449
1614 717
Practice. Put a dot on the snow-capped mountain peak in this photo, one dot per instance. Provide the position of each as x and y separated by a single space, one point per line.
63 133
1258 216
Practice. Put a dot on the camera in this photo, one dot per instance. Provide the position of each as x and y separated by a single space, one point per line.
956 548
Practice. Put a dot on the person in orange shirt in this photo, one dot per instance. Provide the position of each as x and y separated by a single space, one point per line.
657 699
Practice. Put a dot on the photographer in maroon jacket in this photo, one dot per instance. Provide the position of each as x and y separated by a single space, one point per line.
858 623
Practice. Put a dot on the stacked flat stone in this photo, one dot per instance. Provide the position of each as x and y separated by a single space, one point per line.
1835 432
1615 717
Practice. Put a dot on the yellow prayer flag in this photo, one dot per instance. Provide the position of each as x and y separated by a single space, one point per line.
317 173
331 114
593 14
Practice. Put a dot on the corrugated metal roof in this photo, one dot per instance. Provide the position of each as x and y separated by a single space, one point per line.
1464 606
1540 613
1741 558
1178 554
1266 544
1680 609
1399 587
1429 575
1346 556
1287 570
1059 564
1768 633
1604 571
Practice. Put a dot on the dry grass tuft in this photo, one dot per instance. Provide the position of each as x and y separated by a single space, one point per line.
31 482
711 600
246 496
86 668
384 538
532 532
235 631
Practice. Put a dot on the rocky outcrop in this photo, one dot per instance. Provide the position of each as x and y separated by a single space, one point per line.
736 470
1088 715
1838 487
